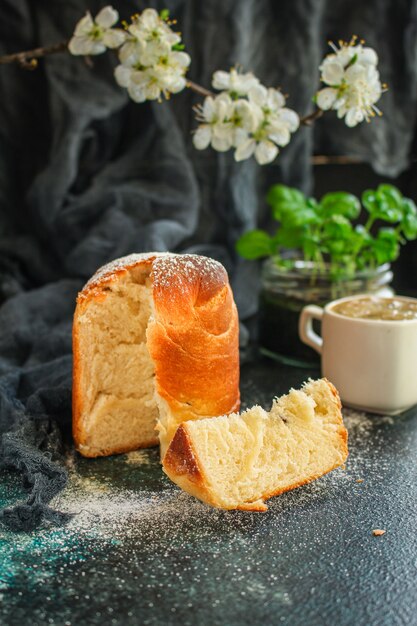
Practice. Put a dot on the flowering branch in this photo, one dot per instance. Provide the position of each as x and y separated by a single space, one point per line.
309 120
202 91
28 59
243 114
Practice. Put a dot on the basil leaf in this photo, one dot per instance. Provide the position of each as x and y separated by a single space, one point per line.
341 203
290 238
392 196
386 246
281 193
255 244
338 227
369 201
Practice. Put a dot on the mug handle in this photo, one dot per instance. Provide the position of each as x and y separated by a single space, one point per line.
305 327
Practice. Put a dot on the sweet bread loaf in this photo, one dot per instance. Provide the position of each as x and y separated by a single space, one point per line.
155 343
238 461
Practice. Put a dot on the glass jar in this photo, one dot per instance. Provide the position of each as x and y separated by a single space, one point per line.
284 293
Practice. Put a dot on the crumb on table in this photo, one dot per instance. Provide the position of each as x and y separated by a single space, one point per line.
377 532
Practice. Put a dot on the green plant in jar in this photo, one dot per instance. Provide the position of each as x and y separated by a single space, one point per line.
326 232
321 250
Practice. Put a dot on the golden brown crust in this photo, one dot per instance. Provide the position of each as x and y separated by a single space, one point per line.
180 458
181 461
193 339
93 453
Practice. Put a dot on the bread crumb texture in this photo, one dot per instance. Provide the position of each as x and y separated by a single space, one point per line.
119 410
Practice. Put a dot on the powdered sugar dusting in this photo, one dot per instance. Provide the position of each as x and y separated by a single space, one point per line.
138 550
110 269
137 457
361 424
111 510
167 267
185 269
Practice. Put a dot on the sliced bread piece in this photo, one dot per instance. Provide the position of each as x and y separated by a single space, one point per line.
238 461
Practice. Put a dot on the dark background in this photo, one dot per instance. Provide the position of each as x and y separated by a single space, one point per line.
87 176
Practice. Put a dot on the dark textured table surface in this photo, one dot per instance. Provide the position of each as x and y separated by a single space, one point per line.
138 551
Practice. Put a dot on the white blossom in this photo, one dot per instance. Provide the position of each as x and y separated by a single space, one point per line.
253 125
234 82
149 27
215 129
353 83
166 76
94 36
275 123
150 65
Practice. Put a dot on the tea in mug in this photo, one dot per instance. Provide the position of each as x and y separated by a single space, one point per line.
376 308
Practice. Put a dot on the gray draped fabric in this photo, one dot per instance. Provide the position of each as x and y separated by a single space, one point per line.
87 176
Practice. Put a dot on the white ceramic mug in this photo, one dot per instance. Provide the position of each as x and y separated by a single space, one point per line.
372 363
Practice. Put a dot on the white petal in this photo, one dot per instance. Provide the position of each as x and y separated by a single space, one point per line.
114 37
375 92
345 55
122 75
163 76
340 104
166 34
182 58
255 116
85 25
150 18
97 48
152 52
354 117
82 46
139 78
153 91
326 98
202 137
265 152
280 135
341 111
330 58
245 150
356 72
223 130
221 144
107 17
129 53
208 108
248 113
240 135
224 99
136 92
368 56
178 84
135 30
223 106
258 95
289 118
243 83
275 99
332 73
221 80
